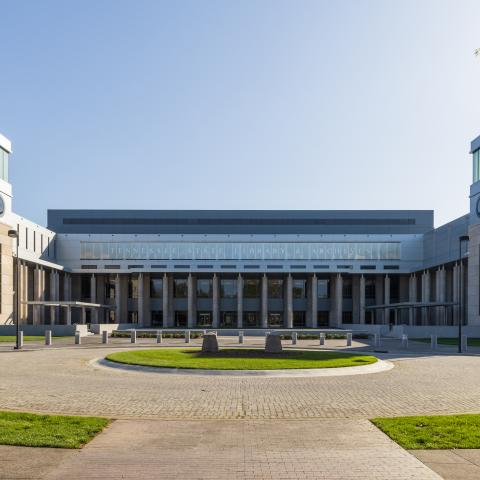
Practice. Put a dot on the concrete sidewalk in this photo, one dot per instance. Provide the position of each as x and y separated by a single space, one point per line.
242 449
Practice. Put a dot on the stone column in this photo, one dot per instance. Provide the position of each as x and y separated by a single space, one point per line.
215 301
379 313
191 301
455 292
240 301
147 307
69 316
289 302
141 299
338 301
167 320
425 295
386 292
440 295
24 290
355 299
54 296
171 309
264 301
36 294
93 298
313 307
118 300
412 297
67 287
361 299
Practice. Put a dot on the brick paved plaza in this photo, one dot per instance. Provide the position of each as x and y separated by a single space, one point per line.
215 427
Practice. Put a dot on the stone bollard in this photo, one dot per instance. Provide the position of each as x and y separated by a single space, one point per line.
376 340
48 337
159 337
20 339
349 339
105 336
464 344
187 336
273 344
240 337
133 336
78 338
433 342
210 343
322 339
294 338
404 340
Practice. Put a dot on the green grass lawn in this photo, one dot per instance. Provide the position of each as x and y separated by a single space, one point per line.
472 342
27 338
432 432
239 359
30 430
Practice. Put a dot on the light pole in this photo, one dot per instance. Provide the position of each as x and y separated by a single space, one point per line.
14 234
463 238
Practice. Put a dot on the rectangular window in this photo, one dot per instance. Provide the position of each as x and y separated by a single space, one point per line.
275 319
132 316
204 319
228 288
347 288
228 320
110 287
157 318
204 288
156 287
476 166
111 316
251 288
250 319
323 288
299 288
275 288
34 240
180 319
180 288
370 289
133 287
322 318
299 319
85 287
347 317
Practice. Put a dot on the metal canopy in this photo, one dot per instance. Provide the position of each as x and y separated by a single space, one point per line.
411 305
57 303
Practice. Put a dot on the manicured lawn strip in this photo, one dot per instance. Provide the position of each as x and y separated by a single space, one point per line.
239 359
432 432
473 342
28 338
30 430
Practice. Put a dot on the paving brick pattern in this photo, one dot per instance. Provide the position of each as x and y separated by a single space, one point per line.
61 380
243 450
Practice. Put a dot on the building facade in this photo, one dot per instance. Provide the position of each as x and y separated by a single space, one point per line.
243 269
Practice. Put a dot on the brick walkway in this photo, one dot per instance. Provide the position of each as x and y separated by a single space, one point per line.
233 427
60 380
242 450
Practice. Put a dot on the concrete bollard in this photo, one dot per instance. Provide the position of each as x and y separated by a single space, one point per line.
240 337
294 338
48 337
349 339
322 339
376 340
187 336
104 336
433 342
404 340
20 338
464 344
159 337
78 338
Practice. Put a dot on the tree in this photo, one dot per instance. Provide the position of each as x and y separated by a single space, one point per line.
477 52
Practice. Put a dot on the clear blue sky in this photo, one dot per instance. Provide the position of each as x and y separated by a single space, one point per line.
240 104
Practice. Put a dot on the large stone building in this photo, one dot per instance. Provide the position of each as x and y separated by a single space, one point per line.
242 269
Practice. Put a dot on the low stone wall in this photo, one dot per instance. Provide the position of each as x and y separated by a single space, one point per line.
110 327
57 330
415 331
